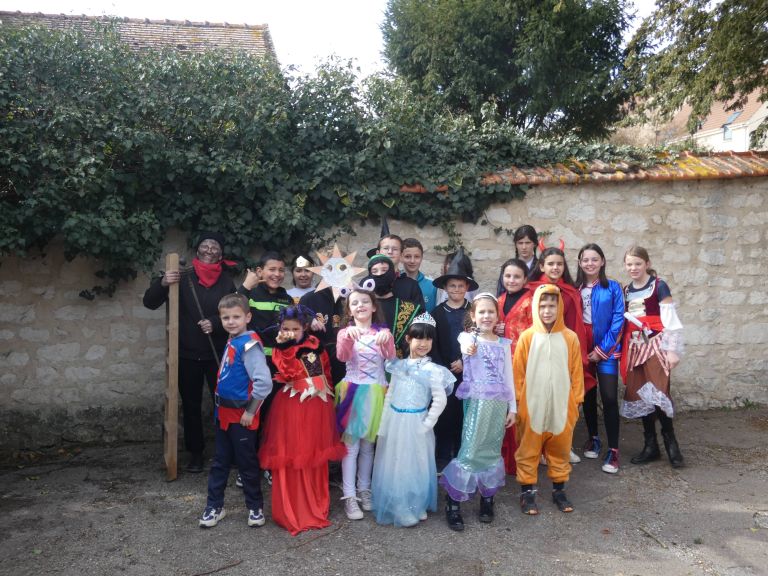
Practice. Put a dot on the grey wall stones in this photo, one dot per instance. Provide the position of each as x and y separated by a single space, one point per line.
81 371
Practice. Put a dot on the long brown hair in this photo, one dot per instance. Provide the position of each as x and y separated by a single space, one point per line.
377 318
642 253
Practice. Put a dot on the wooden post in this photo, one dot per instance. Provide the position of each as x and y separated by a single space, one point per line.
171 422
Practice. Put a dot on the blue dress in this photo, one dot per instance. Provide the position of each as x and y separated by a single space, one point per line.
404 474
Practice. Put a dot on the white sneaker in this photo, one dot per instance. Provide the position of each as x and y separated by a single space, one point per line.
366 500
574 459
256 518
423 516
351 509
211 517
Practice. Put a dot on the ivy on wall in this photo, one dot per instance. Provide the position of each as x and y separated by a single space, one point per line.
108 148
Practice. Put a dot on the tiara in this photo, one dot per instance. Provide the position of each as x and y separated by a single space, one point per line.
424 319
486 295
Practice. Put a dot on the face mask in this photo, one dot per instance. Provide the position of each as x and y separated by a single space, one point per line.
384 282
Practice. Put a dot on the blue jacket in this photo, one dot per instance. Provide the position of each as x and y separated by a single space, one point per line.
607 324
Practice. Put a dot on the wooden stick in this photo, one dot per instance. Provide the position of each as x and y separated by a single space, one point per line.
171 422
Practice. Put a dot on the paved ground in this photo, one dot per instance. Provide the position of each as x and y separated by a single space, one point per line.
109 511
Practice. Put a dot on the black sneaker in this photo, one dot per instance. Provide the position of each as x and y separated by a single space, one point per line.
563 504
486 509
453 515
528 503
195 464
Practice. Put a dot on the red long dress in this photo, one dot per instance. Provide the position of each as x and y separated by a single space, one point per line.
300 437
518 319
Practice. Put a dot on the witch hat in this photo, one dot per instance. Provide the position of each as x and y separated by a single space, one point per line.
384 232
457 269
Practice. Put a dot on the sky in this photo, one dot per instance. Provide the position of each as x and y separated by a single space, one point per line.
303 32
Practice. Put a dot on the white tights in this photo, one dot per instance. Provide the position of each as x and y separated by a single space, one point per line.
351 467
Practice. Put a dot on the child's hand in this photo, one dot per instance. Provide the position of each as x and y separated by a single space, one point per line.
499 329
594 357
246 419
318 325
285 335
424 428
354 333
252 278
672 358
382 337
457 366
510 419
470 350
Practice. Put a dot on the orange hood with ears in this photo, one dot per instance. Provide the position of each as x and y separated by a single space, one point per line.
538 325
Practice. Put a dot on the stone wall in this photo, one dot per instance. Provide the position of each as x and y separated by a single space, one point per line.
93 371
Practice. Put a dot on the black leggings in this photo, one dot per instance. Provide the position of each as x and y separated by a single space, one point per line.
609 388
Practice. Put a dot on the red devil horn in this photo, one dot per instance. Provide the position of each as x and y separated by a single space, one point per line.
541 244
562 245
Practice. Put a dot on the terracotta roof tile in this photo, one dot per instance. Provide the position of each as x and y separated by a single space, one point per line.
686 166
184 36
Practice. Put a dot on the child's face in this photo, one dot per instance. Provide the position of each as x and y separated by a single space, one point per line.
292 329
272 274
636 267
302 277
379 269
361 307
548 311
456 288
391 248
553 267
485 316
590 263
513 279
411 259
525 248
419 347
234 320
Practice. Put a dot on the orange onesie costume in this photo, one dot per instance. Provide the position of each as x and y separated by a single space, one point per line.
549 386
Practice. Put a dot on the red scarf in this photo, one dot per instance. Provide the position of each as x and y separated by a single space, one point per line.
208 274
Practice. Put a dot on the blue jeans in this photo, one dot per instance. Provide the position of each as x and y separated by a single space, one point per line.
236 444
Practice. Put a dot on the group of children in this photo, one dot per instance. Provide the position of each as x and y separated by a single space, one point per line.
476 390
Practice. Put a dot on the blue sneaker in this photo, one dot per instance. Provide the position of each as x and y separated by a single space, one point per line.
211 517
256 518
611 463
592 448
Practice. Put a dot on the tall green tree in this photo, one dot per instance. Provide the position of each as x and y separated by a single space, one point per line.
699 52
548 66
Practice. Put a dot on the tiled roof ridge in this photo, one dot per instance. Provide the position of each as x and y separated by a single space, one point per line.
166 21
676 167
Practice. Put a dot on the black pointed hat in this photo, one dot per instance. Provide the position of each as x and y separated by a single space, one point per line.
384 232
457 269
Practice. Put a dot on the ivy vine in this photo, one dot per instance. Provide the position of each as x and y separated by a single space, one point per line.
108 148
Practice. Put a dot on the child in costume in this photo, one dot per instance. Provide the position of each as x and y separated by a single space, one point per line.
526 239
300 436
243 383
515 313
488 389
364 345
404 473
553 269
653 342
449 317
550 386
603 305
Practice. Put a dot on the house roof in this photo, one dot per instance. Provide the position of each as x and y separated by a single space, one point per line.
184 36
686 166
718 115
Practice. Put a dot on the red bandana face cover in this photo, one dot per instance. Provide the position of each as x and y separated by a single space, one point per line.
208 274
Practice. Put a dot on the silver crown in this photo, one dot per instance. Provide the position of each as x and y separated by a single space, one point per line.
424 319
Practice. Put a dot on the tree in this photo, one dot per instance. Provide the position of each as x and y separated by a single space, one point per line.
694 52
549 66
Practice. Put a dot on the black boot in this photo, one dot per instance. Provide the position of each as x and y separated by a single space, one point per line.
453 514
195 464
650 451
486 509
673 449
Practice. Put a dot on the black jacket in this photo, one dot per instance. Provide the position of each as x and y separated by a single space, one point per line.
193 343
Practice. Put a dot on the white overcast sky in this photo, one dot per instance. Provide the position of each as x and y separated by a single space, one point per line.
303 31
